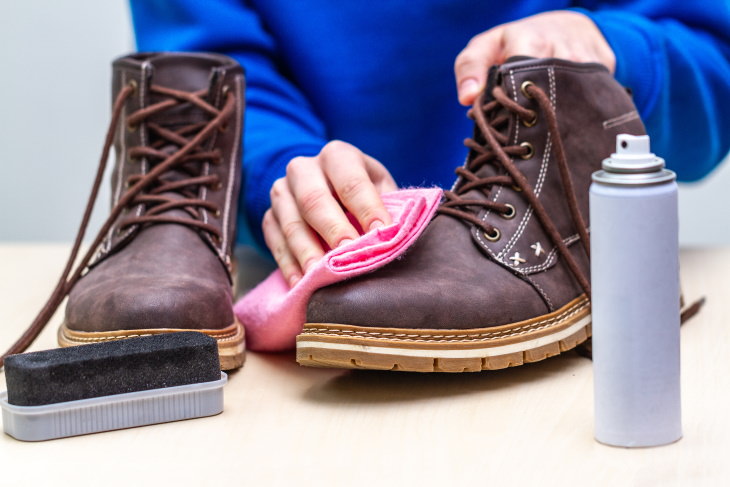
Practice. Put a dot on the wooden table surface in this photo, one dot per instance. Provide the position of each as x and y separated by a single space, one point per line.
286 424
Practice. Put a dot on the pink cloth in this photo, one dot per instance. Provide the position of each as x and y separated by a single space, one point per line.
274 314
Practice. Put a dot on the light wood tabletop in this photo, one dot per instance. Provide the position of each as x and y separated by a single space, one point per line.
286 424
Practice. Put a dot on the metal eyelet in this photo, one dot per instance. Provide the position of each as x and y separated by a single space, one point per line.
496 235
529 123
217 213
516 188
225 90
530 150
511 214
218 186
523 88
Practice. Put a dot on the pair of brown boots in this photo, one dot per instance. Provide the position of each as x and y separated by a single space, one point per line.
499 278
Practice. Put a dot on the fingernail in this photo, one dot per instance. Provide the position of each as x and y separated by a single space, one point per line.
294 279
345 242
376 224
468 87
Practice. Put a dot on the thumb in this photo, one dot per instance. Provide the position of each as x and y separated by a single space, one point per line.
470 67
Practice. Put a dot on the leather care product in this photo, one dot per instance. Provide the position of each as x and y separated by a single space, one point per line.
636 298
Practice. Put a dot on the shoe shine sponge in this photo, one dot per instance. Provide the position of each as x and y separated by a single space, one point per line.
111 385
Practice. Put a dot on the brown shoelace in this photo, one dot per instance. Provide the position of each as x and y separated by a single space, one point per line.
496 151
147 189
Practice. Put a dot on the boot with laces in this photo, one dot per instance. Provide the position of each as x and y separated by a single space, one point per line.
162 259
501 275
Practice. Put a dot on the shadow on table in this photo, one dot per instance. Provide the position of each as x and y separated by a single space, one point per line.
330 386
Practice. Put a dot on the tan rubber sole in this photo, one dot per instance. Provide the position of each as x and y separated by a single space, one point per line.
428 350
231 340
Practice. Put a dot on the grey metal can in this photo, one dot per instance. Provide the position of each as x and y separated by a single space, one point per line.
635 298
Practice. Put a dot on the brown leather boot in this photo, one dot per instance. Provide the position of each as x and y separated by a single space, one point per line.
500 276
162 260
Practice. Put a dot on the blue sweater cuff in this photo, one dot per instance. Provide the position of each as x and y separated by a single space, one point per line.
637 54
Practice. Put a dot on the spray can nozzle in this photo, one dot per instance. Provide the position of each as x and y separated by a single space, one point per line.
633 155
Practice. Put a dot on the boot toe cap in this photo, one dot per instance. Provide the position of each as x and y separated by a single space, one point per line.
149 303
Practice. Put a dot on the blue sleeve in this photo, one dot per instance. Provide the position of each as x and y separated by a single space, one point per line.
675 57
279 122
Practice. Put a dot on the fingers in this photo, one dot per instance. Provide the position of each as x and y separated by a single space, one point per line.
310 202
563 34
290 239
276 243
347 170
315 202
518 42
379 175
470 67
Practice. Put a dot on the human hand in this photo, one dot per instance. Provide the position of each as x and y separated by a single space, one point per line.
310 201
562 33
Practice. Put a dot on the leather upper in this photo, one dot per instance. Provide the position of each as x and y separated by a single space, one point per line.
454 277
167 275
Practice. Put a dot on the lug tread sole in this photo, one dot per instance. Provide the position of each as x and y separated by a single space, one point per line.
354 343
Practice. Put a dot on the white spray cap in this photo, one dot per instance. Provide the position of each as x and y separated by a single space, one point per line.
633 155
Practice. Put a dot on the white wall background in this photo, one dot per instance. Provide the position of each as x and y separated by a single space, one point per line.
54 108
55 103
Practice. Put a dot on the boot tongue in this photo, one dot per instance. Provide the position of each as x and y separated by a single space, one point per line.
179 71
494 78
184 73
486 170
517 59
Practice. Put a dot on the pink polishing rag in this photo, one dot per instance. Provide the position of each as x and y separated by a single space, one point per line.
273 314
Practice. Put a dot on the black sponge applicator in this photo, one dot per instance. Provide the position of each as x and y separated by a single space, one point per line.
113 367
119 379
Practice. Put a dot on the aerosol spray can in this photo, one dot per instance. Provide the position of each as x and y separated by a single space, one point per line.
635 298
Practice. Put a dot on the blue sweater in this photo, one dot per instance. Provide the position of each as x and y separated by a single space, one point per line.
379 75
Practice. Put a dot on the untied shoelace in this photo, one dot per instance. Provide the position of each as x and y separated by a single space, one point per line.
140 187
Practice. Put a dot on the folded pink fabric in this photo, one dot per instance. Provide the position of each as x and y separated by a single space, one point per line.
273 314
